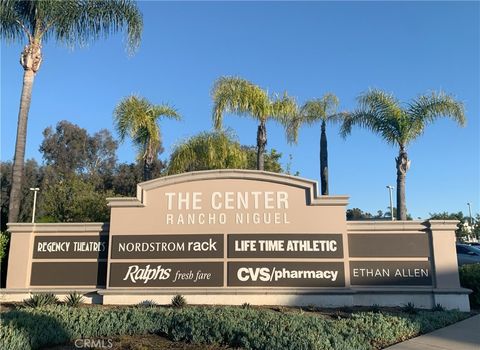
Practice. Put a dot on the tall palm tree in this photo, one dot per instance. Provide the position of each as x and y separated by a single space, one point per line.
239 96
321 110
399 125
70 22
138 118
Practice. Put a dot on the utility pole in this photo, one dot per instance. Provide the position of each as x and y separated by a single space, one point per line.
390 190
470 214
35 190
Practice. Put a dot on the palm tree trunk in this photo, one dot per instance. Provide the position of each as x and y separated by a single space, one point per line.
261 143
30 59
146 171
323 160
147 161
402 164
19 157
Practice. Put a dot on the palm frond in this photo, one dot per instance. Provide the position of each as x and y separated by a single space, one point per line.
382 104
136 117
12 27
426 108
127 116
284 110
237 95
72 21
337 117
319 109
312 111
165 111
379 112
208 150
369 120
292 128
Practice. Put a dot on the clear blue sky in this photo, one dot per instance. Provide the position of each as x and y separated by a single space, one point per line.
305 48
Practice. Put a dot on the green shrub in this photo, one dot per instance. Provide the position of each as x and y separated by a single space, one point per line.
179 301
246 306
438 307
41 299
4 238
232 326
409 308
147 303
74 299
470 278
4 248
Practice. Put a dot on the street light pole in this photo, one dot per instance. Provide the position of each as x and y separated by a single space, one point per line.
470 214
390 189
35 190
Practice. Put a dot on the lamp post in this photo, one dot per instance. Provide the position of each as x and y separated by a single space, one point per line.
470 214
35 190
390 190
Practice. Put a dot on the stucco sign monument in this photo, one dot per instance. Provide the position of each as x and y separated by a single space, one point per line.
235 236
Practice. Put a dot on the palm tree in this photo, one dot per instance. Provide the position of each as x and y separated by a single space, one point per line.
205 151
399 125
138 118
70 22
321 110
237 95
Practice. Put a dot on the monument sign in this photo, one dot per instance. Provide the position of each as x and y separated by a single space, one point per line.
234 236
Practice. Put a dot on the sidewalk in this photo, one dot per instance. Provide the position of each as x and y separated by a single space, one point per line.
464 335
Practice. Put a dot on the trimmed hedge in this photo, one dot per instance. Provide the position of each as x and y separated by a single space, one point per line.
470 278
236 327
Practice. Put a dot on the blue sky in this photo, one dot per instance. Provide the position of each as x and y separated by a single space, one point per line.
307 49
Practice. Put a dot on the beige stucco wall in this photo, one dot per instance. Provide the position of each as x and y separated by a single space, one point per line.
130 216
20 257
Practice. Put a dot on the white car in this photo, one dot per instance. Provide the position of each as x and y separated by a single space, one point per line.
467 254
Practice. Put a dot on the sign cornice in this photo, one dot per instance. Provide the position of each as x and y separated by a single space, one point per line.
310 186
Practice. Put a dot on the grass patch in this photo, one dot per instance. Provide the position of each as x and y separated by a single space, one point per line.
248 328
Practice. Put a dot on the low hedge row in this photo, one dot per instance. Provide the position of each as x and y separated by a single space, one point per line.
247 328
470 278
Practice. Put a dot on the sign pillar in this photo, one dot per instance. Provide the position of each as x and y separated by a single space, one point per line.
444 254
20 255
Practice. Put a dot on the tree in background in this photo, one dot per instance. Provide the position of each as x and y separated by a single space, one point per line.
383 114
321 110
239 96
271 159
65 148
78 174
33 176
72 155
70 22
217 150
74 200
206 151
69 149
126 176
138 118
358 214
465 228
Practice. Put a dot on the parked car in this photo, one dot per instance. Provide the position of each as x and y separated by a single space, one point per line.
467 254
